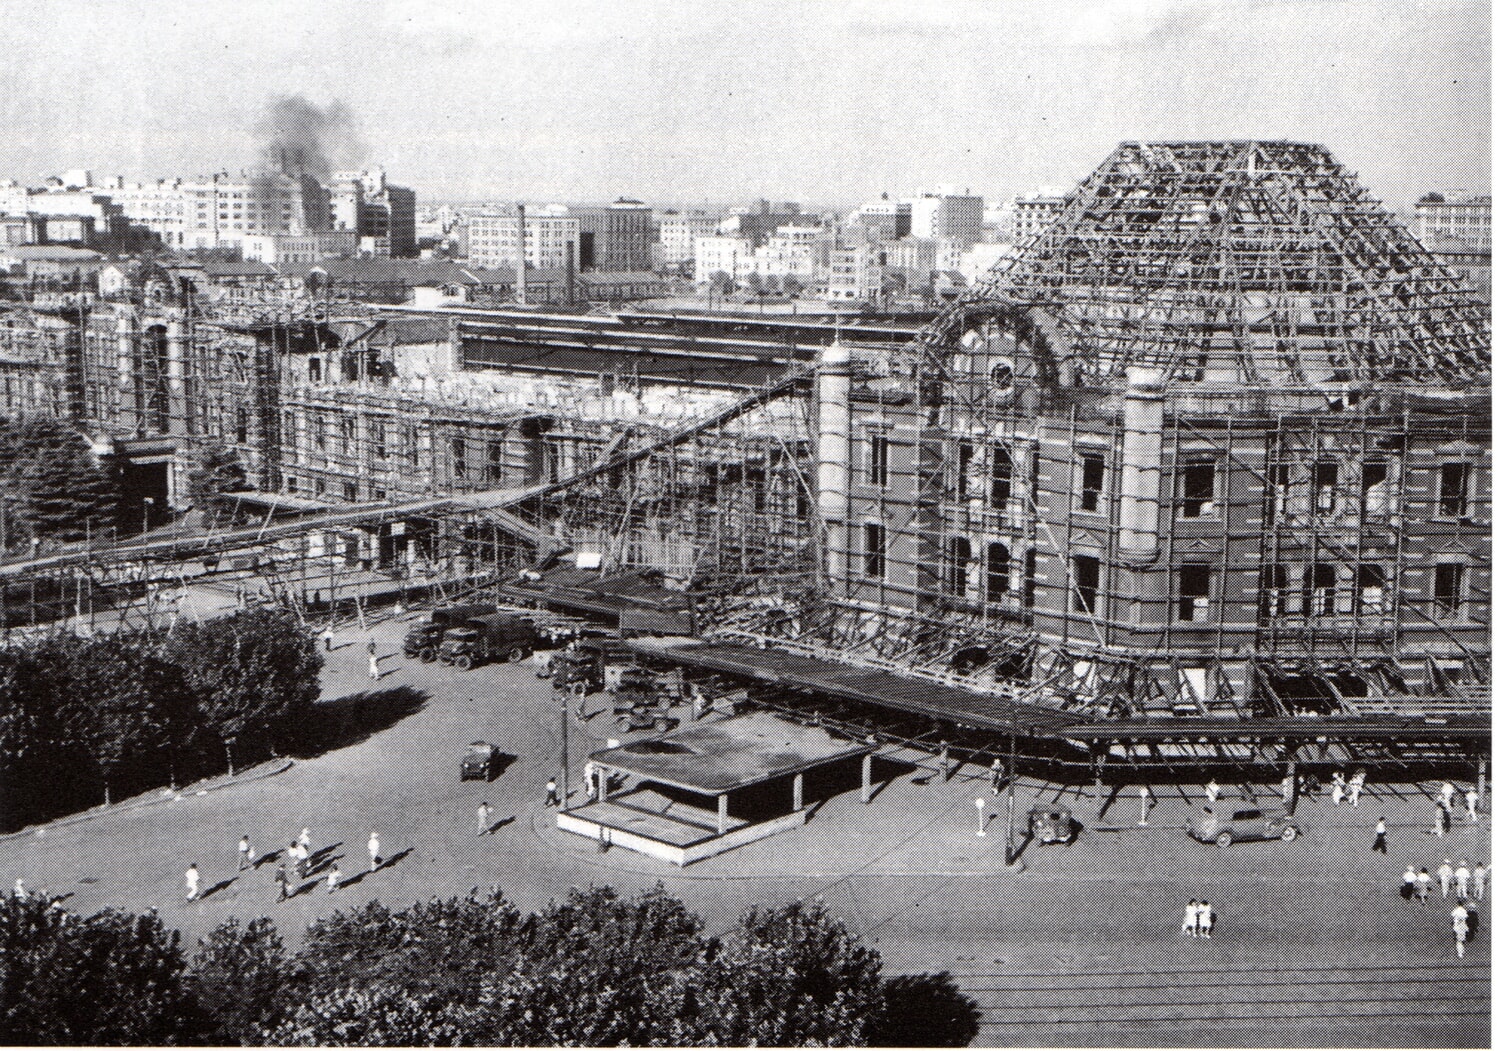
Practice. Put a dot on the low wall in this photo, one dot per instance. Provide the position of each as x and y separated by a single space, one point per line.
680 856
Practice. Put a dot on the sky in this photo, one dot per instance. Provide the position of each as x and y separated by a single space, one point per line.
827 102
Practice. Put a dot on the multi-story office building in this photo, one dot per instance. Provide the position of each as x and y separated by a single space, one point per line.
381 212
890 218
678 233
615 237
1033 211
1455 213
945 213
733 256
494 238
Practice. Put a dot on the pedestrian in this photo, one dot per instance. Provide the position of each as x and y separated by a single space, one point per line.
1463 880
1460 926
20 888
1423 882
1191 926
1478 881
1338 788
995 775
373 664
298 854
552 797
1143 804
1445 873
374 856
283 882
192 882
1354 788
1207 918
327 638
485 817
1471 800
246 853
1442 821
1380 836
1447 795
1410 886
590 780
333 876
1213 791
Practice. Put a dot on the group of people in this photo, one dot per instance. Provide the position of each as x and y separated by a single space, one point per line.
1445 808
300 854
1348 789
1200 917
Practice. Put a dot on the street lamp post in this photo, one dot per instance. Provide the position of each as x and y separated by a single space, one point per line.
982 825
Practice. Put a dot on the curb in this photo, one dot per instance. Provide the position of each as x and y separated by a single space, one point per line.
32 831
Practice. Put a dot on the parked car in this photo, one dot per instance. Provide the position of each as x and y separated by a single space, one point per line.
1052 823
498 636
426 634
481 763
1229 822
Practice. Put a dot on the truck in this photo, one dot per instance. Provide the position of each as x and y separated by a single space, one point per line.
495 637
425 635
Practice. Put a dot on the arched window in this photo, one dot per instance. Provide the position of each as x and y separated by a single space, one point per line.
997 572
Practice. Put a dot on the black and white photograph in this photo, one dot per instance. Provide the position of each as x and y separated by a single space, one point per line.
886 523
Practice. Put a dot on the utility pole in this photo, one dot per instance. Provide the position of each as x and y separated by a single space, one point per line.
1013 776
565 754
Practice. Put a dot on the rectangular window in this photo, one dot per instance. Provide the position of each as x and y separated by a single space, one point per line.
1086 574
412 447
873 550
958 554
350 491
1278 488
1323 480
1320 590
1273 592
1198 489
1455 482
1093 471
1371 584
997 572
459 458
1001 482
1450 585
1193 586
496 463
314 369
878 460
1376 495
377 437
963 468
319 432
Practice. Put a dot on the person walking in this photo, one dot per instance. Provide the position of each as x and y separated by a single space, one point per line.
1471 800
995 775
1144 804
1213 791
298 855
590 780
1354 787
552 797
283 882
1380 836
333 877
1447 795
1206 918
305 839
1338 788
1423 882
1445 873
20 890
1463 880
1478 881
327 639
1460 926
485 818
246 853
1191 925
1410 887
192 882
1442 821
373 661
374 856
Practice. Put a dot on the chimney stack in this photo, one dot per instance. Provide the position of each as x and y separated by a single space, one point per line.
520 255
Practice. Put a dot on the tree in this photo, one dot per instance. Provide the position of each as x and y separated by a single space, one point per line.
792 285
254 674
110 978
378 1017
53 487
246 975
30 742
722 281
755 282
216 473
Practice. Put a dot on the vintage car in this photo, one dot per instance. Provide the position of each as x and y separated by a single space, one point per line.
1229 821
481 762
1052 823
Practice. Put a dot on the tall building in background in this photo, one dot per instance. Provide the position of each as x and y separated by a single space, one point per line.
1033 211
494 238
889 217
614 238
383 214
1455 213
678 233
945 213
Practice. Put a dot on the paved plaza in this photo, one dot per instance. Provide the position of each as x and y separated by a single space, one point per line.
1075 944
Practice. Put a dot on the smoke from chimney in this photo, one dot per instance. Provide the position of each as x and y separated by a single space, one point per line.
299 137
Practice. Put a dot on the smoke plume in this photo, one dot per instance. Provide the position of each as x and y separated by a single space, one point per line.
299 137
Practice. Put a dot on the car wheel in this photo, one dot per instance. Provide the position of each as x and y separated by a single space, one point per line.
579 690
1224 839
464 662
623 723
516 654
1289 833
427 654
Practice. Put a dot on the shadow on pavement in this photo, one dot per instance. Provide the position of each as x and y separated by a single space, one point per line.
497 825
220 885
925 1010
353 719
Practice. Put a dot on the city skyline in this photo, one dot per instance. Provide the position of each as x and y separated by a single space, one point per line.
686 103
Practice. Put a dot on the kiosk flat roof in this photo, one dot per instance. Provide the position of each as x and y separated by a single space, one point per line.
717 757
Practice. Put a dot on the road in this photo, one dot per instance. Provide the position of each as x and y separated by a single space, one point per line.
1077 945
